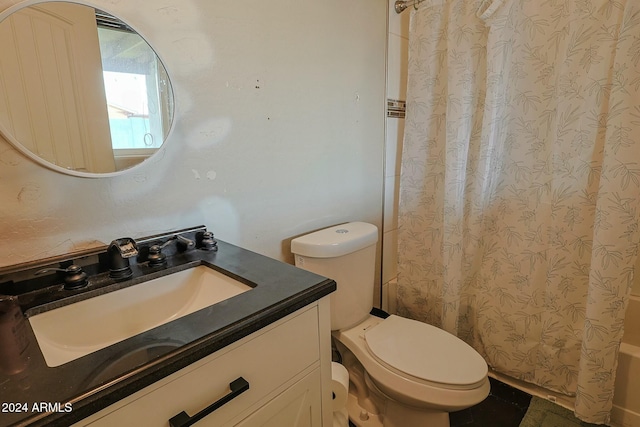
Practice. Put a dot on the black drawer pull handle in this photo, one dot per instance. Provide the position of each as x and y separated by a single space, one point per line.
237 387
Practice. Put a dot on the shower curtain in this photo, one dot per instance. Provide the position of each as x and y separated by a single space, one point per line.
519 215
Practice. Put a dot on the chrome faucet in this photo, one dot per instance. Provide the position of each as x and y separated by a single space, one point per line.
119 251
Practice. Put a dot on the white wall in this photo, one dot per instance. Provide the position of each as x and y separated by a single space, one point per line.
279 130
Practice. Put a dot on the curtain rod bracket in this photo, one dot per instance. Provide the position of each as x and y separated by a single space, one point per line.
401 5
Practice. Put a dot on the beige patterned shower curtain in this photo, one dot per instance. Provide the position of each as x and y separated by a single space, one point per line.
520 190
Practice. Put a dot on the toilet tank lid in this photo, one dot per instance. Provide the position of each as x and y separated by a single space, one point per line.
336 241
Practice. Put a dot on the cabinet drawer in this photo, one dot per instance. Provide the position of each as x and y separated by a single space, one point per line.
266 360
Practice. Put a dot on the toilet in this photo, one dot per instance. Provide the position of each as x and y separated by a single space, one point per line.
402 373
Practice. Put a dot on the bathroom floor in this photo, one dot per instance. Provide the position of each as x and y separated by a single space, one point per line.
504 407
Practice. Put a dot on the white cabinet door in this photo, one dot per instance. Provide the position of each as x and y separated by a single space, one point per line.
298 406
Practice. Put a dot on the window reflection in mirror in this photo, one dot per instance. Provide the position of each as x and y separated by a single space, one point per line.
136 88
136 91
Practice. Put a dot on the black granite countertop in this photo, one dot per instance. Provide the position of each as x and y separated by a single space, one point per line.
33 394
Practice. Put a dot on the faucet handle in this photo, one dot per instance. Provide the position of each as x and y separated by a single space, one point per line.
190 244
74 278
185 242
157 259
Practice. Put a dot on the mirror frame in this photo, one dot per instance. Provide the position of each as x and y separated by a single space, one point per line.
11 139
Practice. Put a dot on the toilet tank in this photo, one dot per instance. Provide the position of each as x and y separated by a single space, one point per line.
347 254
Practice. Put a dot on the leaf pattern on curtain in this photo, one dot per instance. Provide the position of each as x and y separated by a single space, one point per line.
519 216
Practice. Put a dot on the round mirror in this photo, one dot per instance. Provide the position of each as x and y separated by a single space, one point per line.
80 91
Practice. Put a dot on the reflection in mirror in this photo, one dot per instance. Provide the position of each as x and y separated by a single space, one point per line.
80 91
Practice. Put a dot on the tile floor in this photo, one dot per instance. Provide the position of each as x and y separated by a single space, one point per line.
504 407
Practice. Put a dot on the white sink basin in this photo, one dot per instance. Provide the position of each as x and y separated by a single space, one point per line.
70 332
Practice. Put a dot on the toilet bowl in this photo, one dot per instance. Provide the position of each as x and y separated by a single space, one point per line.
418 367
403 373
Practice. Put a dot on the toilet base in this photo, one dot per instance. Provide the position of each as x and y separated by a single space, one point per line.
368 406
355 412
395 416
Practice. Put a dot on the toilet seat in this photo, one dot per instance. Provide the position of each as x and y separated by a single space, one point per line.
425 352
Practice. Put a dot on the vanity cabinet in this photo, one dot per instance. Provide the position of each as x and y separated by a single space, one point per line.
287 368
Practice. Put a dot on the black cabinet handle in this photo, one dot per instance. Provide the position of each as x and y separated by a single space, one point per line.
237 387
